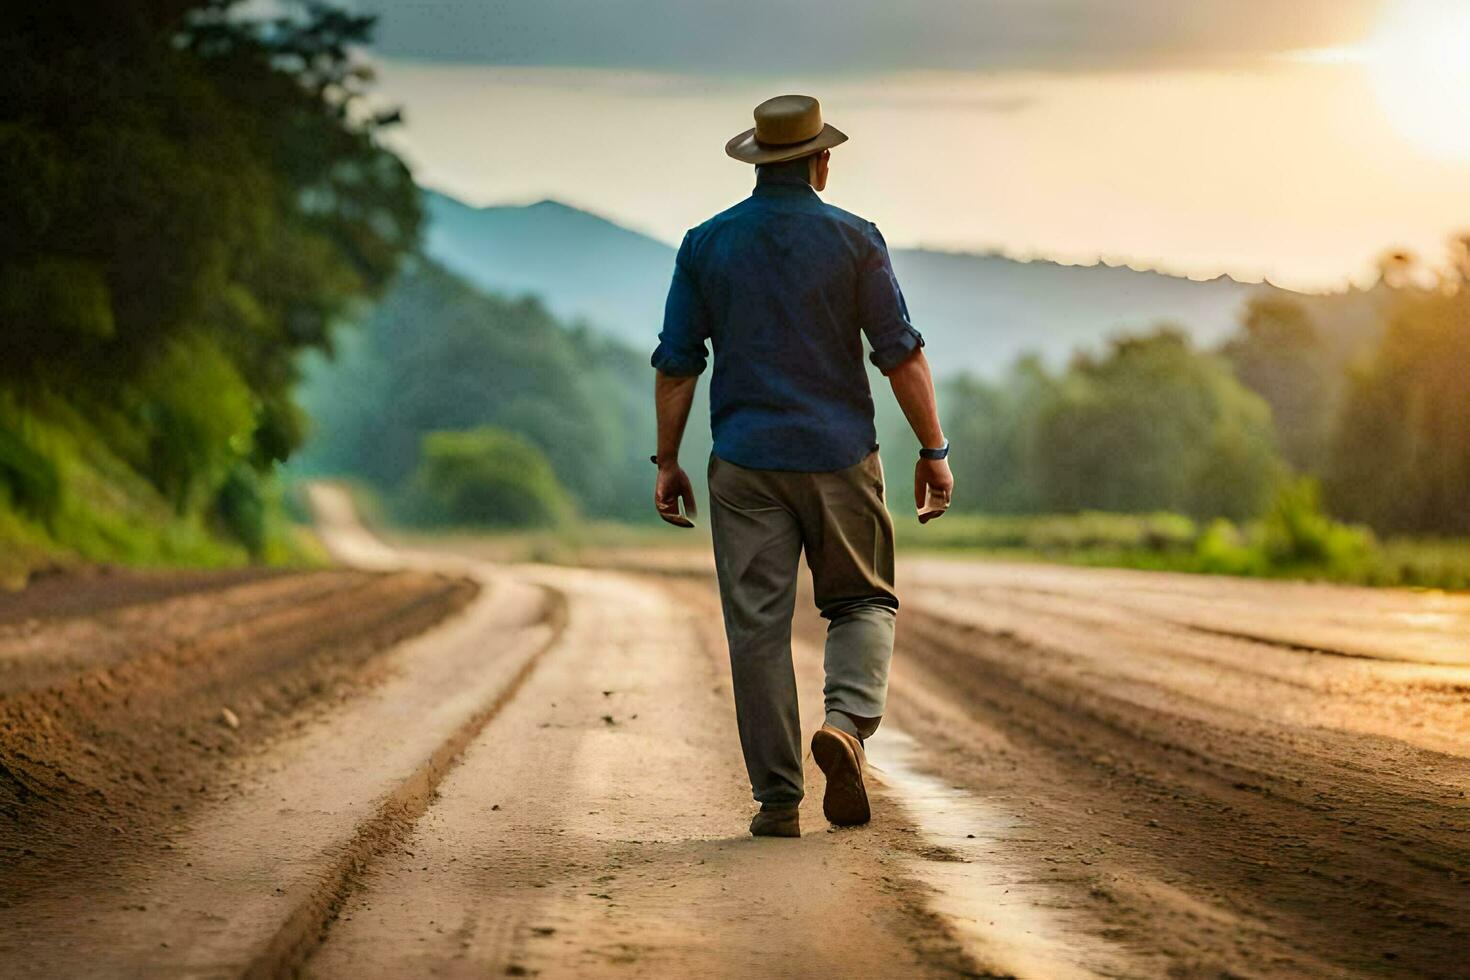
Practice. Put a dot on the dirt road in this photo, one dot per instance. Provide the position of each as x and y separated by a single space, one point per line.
1083 773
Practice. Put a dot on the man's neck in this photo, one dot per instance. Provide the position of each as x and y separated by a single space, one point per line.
788 172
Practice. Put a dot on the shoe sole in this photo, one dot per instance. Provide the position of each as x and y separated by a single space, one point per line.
845 802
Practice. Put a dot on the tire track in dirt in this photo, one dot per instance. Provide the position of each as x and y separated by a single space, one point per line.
1209 805
246 882
306 925
1220 844
597 828
112 727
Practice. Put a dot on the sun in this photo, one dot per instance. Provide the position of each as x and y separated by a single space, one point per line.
1419 61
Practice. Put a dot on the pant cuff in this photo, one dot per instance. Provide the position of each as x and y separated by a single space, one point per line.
842 721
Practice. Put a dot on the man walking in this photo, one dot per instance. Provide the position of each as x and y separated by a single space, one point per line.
786 287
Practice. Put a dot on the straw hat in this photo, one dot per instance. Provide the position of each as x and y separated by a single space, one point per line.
786 127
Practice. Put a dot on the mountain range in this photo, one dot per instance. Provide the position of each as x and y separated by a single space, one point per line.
978 312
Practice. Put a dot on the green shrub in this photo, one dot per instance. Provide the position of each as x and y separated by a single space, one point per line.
27 478
1423 562
66 496
487 476
1223 549
1294 540
201 416
1295 532
241 506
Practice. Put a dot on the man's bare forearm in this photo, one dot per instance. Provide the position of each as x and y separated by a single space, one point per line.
673 396
913 386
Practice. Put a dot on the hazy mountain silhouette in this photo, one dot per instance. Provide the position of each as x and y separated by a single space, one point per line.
976 311
582 266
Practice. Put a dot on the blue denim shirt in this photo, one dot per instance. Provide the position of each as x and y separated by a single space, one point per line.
786 287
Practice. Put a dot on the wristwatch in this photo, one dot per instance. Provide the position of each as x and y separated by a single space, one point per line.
939 453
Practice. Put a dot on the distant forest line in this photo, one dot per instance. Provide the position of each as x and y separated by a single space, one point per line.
1150 423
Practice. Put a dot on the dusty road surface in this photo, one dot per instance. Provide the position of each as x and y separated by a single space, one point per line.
1083 773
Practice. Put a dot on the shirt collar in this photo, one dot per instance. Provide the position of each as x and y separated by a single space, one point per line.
782 185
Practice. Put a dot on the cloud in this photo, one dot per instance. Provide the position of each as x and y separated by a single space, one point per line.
860 36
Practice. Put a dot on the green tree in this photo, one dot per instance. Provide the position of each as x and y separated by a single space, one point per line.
1281 356
1401 460
439 354
994 426
1154 425
191 198
490 477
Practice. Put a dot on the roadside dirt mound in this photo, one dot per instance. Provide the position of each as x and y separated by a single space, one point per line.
92 589
114 725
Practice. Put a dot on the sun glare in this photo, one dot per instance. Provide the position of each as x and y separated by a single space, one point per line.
1419 60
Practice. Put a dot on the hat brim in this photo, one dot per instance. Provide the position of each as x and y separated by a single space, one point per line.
747 149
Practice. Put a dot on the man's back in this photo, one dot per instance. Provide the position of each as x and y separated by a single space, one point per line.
784 286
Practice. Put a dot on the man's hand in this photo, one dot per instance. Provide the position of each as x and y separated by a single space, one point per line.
932 473
673 485
913 386
672 396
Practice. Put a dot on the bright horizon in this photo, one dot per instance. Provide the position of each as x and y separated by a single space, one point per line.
1300 166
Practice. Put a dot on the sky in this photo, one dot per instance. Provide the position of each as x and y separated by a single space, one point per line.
1288 139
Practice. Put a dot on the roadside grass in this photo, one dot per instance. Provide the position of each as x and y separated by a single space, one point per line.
1155 542
1172 542
67 500
1293 541
1442 563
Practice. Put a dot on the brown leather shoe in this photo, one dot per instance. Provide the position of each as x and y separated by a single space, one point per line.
841 759
781 822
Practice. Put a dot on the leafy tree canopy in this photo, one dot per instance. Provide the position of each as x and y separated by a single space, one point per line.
437 354
191 198
1155 425
1401 457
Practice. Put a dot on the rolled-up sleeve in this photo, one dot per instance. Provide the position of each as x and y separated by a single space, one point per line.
881 308
681 347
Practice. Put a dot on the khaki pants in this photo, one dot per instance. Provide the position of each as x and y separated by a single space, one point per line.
762 520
